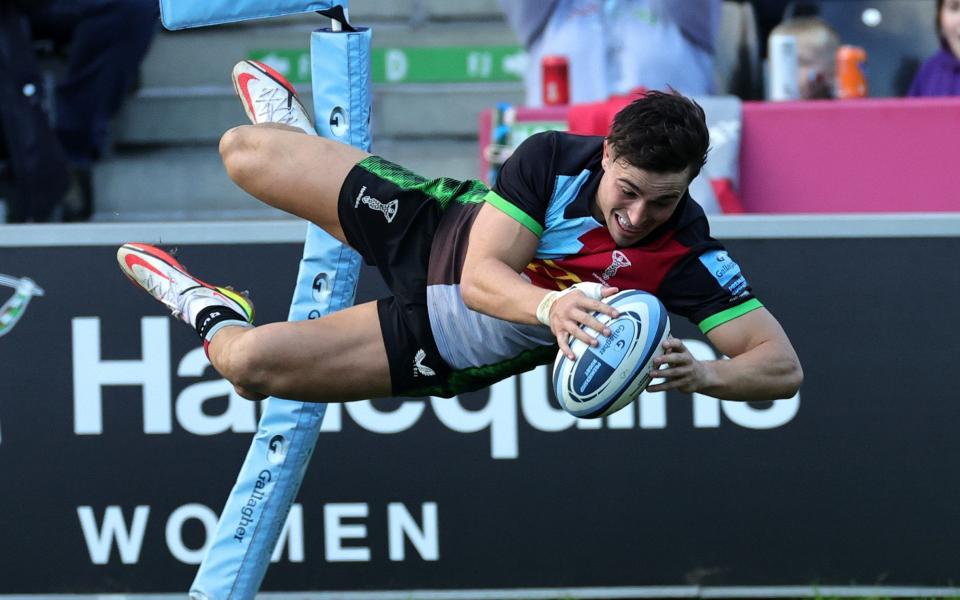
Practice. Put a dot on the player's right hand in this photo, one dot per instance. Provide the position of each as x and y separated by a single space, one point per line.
572 310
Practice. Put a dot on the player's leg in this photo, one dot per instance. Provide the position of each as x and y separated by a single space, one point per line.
297 173
339 357
274 161
336 358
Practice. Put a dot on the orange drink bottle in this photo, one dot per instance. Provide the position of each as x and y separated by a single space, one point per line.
851 79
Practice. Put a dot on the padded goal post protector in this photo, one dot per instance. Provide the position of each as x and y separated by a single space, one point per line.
182 14
250 524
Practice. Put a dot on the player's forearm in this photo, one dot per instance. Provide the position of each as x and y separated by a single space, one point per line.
493 288
770 371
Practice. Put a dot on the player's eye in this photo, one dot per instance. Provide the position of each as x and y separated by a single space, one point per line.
628 193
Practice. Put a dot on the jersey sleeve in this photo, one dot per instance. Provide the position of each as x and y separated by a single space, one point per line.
524 185
708 288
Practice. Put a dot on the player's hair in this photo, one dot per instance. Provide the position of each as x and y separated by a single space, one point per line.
662 132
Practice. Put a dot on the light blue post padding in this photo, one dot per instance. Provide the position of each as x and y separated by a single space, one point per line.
254 515
181 14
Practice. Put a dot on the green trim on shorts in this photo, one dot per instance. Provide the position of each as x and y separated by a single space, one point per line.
442 190
521 217
730 314
475 378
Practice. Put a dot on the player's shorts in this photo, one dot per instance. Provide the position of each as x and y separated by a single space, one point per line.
389 215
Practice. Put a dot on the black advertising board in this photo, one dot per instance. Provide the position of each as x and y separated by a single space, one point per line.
118 446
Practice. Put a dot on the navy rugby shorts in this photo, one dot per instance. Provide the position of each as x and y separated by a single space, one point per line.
388 217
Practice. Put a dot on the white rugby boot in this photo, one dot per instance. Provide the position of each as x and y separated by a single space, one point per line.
268 97
204 307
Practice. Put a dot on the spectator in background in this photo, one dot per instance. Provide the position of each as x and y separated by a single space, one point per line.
33 162
106 41
817 45
615 46
940 74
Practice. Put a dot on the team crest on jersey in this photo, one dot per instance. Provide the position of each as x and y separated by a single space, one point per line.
619 261
389 209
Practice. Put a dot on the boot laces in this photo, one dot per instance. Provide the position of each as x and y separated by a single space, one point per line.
276 105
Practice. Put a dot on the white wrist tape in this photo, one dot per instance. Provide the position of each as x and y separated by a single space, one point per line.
590 290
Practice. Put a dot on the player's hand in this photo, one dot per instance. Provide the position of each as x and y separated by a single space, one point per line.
574 309
678 368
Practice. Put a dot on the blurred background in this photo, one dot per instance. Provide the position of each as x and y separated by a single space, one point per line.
452 81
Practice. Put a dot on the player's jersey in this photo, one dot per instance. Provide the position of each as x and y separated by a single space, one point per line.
549 186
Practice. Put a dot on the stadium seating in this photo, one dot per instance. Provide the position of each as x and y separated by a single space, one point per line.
169 131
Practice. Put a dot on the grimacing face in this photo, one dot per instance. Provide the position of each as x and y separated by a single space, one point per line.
632 202
950 25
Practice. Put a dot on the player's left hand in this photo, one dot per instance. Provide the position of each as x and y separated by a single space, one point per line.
678 368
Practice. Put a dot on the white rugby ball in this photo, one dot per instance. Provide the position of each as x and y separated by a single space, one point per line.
604 379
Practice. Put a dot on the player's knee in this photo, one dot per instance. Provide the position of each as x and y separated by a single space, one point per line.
249 394
246 363
236 151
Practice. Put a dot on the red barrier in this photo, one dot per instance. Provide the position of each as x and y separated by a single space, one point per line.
891 155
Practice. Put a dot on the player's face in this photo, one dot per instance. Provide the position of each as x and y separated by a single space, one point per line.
632 202
950 25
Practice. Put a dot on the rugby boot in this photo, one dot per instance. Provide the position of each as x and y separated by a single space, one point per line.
204 307
268 97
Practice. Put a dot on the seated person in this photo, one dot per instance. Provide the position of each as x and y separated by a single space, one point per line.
817 44
940 74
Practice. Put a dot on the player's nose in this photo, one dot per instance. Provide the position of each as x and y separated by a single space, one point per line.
636 211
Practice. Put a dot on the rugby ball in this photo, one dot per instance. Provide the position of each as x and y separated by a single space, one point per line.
603 379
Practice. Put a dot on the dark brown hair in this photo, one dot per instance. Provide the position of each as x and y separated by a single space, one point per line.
662 132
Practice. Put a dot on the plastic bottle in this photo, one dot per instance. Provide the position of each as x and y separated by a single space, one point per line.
851 78
782 54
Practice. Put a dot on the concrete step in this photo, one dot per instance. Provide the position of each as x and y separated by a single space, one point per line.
190 182
201 115
205 56
169 183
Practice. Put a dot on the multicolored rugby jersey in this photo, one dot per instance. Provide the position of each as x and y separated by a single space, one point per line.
548 186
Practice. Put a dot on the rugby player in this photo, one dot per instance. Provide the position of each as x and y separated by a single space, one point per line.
485 283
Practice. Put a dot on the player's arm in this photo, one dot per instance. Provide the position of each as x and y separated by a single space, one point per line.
763 364
499 248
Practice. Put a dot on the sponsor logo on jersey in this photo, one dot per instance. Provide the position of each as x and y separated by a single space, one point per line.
388 209
725 270
619 261
419 368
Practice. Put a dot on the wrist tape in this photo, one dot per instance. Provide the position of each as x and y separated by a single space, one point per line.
590 290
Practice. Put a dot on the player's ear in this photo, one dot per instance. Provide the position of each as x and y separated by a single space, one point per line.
605 161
